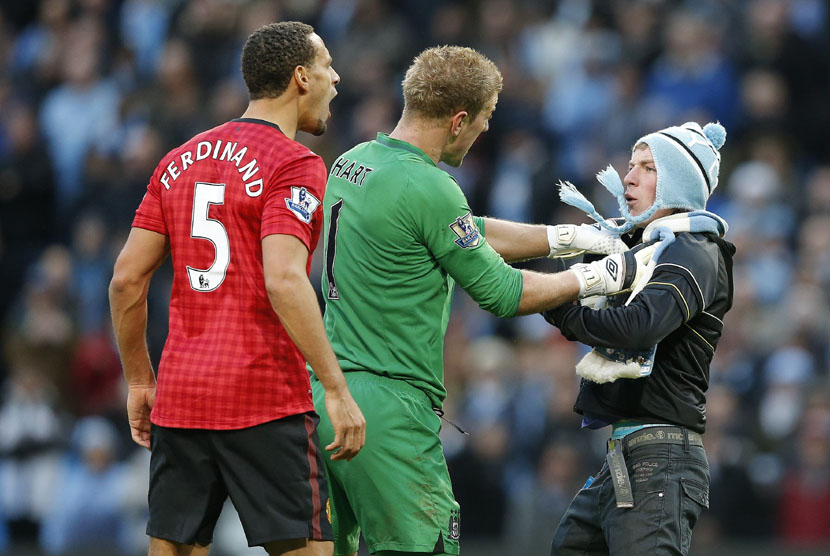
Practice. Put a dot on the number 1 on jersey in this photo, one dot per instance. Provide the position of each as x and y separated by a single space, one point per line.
204 227
331 249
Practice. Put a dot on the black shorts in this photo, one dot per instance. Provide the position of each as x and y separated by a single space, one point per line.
272 472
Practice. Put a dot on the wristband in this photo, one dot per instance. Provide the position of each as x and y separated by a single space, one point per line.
559 237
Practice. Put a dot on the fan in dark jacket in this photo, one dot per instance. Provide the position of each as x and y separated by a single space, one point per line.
648 371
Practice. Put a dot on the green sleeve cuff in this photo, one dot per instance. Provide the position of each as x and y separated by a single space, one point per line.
479 222
505 303
521 291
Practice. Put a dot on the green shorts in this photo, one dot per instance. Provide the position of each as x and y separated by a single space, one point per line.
397 489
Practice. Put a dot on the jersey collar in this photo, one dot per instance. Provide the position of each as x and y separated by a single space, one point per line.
258 121
384 139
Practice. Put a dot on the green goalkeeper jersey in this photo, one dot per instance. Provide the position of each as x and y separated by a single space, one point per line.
398 234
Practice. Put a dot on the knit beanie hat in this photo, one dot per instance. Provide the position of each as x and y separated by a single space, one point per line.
687 159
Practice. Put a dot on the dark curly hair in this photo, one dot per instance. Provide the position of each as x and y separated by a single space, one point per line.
270 55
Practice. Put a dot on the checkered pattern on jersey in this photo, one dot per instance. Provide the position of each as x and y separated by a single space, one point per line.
228 363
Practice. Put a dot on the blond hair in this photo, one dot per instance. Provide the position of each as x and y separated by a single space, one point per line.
445 80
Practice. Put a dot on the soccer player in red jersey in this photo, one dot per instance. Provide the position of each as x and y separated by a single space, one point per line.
237 209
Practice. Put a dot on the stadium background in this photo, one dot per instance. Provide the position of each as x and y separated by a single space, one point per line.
94 92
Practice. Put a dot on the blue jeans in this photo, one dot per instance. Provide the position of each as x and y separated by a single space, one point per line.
670 483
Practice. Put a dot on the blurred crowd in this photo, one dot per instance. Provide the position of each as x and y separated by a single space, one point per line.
94 92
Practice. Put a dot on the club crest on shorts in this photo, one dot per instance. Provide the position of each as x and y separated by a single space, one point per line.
302 203
454 532
466 230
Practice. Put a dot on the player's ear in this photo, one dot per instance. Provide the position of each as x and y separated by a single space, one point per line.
456 122
301 78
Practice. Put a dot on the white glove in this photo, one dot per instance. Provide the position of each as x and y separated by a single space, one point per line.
614 273
595 302
568 240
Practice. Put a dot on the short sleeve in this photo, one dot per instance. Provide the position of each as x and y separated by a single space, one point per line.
294 199
450 232
479 220
150 214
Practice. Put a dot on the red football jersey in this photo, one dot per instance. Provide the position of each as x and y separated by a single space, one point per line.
228 363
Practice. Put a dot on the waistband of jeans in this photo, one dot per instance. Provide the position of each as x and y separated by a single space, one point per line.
625 427
662 434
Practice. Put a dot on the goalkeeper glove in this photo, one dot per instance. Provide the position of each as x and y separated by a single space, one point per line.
568 240
614 273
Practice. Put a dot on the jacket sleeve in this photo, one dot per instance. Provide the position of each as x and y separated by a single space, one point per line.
652 316
672 296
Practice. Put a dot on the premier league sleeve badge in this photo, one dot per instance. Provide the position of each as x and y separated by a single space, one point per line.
302 203
466 230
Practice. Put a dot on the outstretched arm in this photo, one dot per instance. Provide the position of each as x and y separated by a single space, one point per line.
142 255
515 241
612 274
293 299
541 292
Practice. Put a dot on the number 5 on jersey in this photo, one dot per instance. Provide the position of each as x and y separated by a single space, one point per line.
203 227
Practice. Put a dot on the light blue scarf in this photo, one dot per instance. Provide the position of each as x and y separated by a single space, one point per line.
608 364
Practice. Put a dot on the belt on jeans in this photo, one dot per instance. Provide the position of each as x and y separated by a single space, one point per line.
661 435
649 435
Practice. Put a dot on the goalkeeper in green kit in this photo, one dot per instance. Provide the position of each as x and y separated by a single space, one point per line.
398 235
